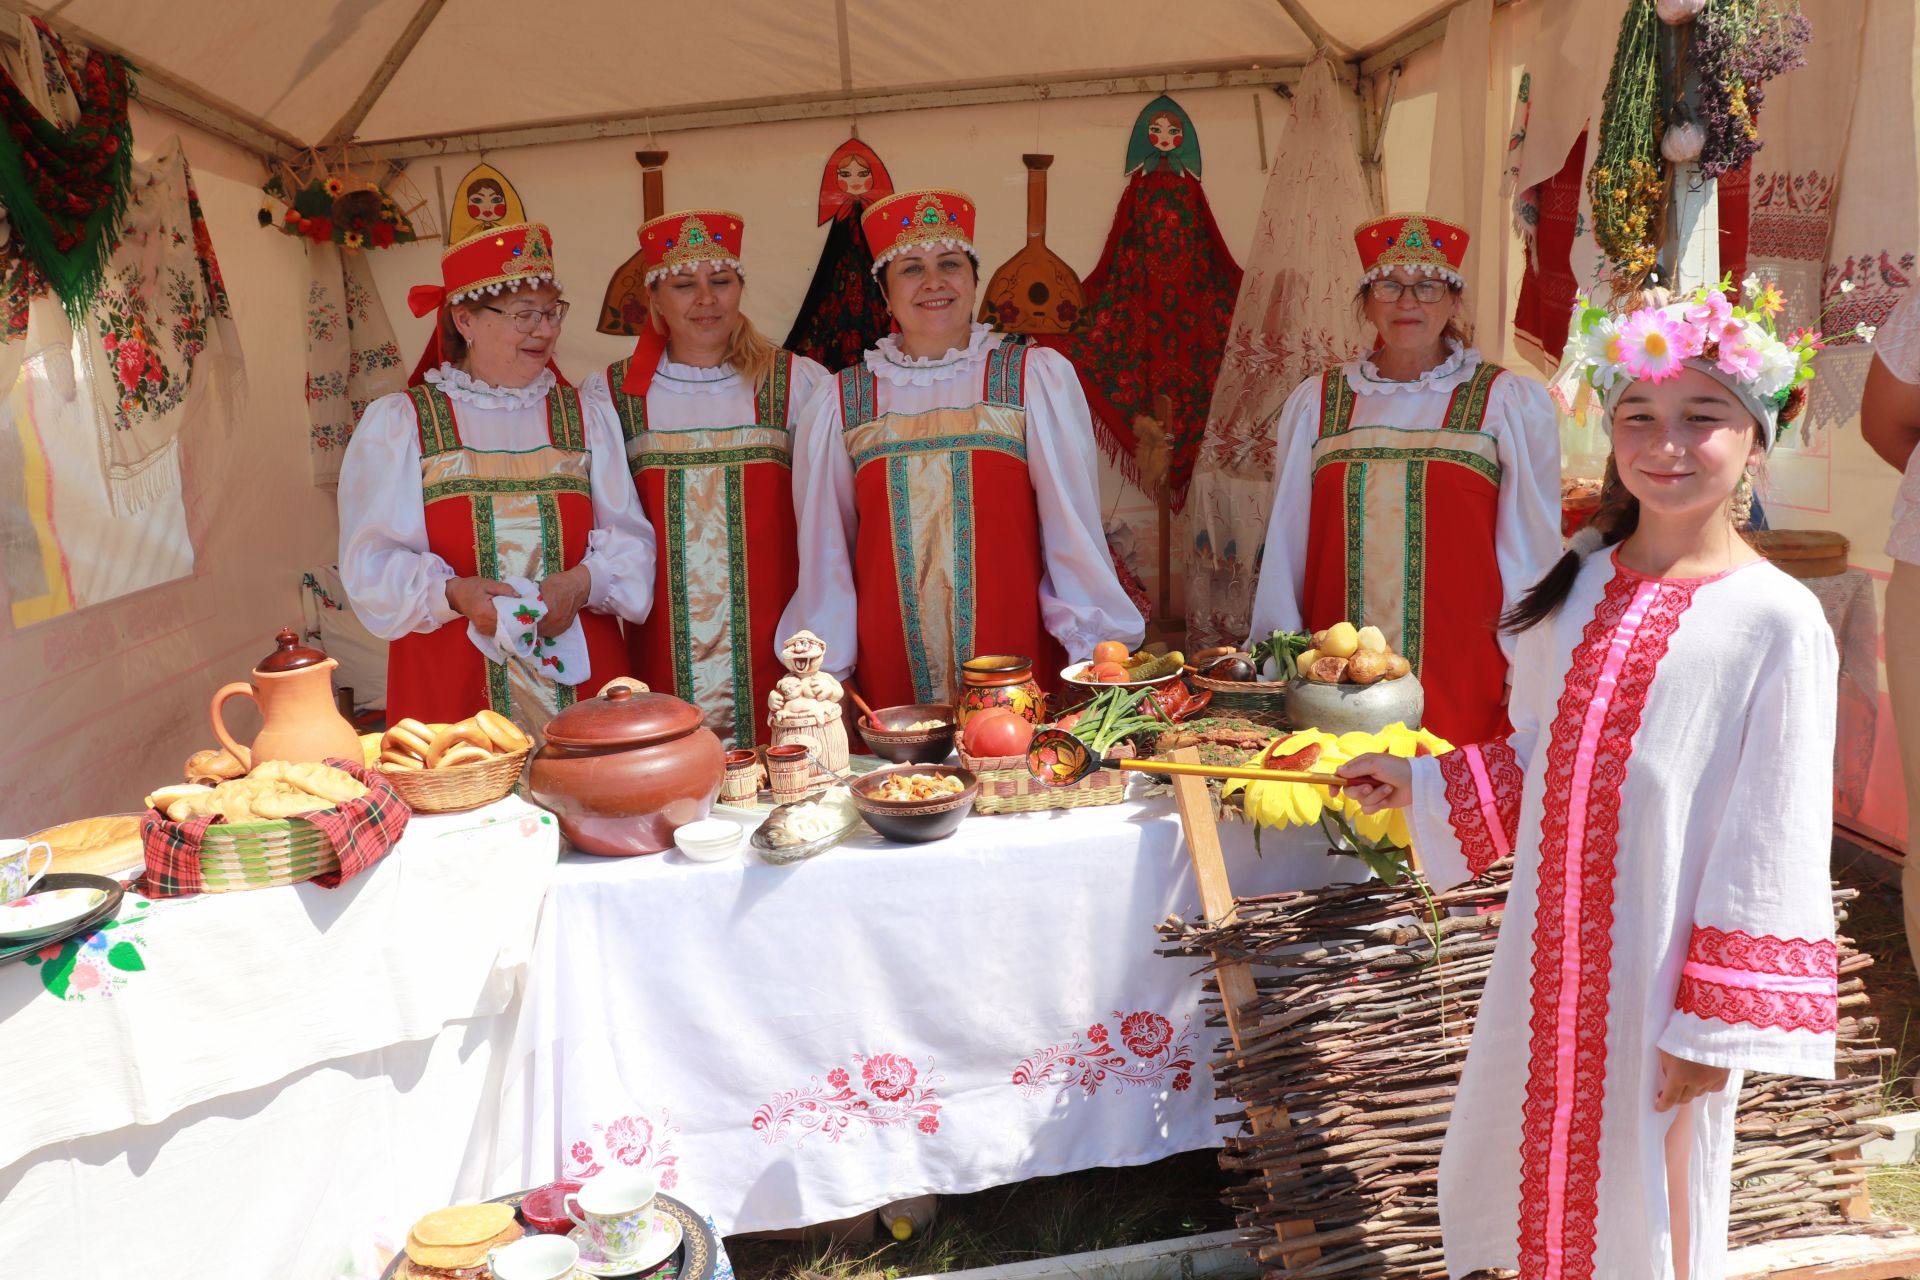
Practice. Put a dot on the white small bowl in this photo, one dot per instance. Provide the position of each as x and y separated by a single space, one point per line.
710 839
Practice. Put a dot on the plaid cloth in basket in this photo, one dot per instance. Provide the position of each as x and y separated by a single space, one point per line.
362 831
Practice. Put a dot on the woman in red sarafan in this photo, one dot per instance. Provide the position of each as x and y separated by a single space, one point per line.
1416 490
945 487
485 471
707 407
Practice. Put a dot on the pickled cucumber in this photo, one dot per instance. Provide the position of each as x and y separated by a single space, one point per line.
1157 667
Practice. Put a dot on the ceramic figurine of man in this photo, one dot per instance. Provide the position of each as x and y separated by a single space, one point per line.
804 707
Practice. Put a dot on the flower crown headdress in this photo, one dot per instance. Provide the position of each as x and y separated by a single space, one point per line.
1736 344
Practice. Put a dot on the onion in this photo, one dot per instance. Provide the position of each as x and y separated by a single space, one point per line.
1683 143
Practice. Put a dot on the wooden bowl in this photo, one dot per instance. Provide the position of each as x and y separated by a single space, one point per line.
914 821
910 746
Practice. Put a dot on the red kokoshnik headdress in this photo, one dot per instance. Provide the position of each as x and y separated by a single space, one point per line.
670 244
1432 246
912 218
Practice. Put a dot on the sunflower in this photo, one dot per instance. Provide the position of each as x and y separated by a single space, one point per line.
353 240
1291 804
334 186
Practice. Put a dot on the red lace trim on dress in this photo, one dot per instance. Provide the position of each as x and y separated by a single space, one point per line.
1580 1171
1467 807
1761 1004
1768 1010
1764 953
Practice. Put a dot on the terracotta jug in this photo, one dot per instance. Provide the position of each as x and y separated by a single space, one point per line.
293 687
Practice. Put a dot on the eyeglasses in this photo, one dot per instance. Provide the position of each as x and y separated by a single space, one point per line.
527 319
1423 290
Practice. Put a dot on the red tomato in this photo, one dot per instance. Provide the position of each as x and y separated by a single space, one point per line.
998 732
1108 672
1111 651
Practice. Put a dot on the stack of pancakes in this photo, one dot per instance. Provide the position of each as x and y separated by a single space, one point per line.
452 1244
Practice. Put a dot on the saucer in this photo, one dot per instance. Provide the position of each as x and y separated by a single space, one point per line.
662 1238
47 912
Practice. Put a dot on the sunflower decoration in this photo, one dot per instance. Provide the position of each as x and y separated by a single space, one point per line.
1380 840
335 208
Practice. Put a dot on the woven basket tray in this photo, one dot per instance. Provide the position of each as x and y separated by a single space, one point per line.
1262 701
261 855
465 786
1007 787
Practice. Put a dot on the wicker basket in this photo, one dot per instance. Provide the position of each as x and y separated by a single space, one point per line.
263 855
1007 787
1262 701
465 786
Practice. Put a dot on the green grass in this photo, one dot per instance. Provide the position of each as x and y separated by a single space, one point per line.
1041 1218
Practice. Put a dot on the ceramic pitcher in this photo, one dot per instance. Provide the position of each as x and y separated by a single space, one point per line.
293 687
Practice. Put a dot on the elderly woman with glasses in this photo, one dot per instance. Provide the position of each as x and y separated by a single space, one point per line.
485 473
1416 490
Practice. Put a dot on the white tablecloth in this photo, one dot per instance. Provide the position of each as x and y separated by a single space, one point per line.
264 1083
791 1045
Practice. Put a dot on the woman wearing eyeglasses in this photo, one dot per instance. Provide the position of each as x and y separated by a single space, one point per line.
488 471
707 407
1418 489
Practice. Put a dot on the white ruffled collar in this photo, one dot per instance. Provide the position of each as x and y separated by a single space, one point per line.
886 361
1366 379
466 389
695 379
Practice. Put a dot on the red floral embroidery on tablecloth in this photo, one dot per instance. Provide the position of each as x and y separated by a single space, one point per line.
1150 1054
1580 1171
884 1091
635 1141
1466 806
1764 956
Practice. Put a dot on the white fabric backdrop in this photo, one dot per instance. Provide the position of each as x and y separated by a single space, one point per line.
789 1045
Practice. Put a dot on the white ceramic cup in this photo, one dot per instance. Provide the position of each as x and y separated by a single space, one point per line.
613 1208
17 876
535 1258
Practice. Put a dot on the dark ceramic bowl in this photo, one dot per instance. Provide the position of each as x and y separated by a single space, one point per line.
910 746
914 821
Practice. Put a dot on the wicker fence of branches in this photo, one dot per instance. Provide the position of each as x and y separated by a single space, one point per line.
1358 1036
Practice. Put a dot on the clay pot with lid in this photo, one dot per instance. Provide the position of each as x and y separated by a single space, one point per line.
623 771
293 687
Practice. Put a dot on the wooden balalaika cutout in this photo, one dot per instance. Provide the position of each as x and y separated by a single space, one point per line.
1034 291
624 309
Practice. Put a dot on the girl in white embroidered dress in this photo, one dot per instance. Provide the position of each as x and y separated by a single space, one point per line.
1666 796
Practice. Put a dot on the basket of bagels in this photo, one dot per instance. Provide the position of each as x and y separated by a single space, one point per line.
443 768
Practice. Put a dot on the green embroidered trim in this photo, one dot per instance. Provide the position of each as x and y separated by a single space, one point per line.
857 398
433 413
552 551
986 440
488 486
770 404
677 621
1460 457
564 425
961 469
1336 403
1006 372
743 720
1356 539
1467 407
1413 595
900 521
693 458
487 559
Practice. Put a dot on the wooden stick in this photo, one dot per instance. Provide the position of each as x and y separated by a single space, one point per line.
1333 780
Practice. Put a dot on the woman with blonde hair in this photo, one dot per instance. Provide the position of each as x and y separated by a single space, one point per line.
707 407
1417 489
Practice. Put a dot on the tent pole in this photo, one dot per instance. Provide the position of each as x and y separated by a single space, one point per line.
1128 82
343 128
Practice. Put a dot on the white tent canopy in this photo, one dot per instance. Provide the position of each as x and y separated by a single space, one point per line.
423 76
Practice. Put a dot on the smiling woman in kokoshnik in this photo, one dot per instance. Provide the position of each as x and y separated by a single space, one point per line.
708 407
1417 489
1666 797
946 486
